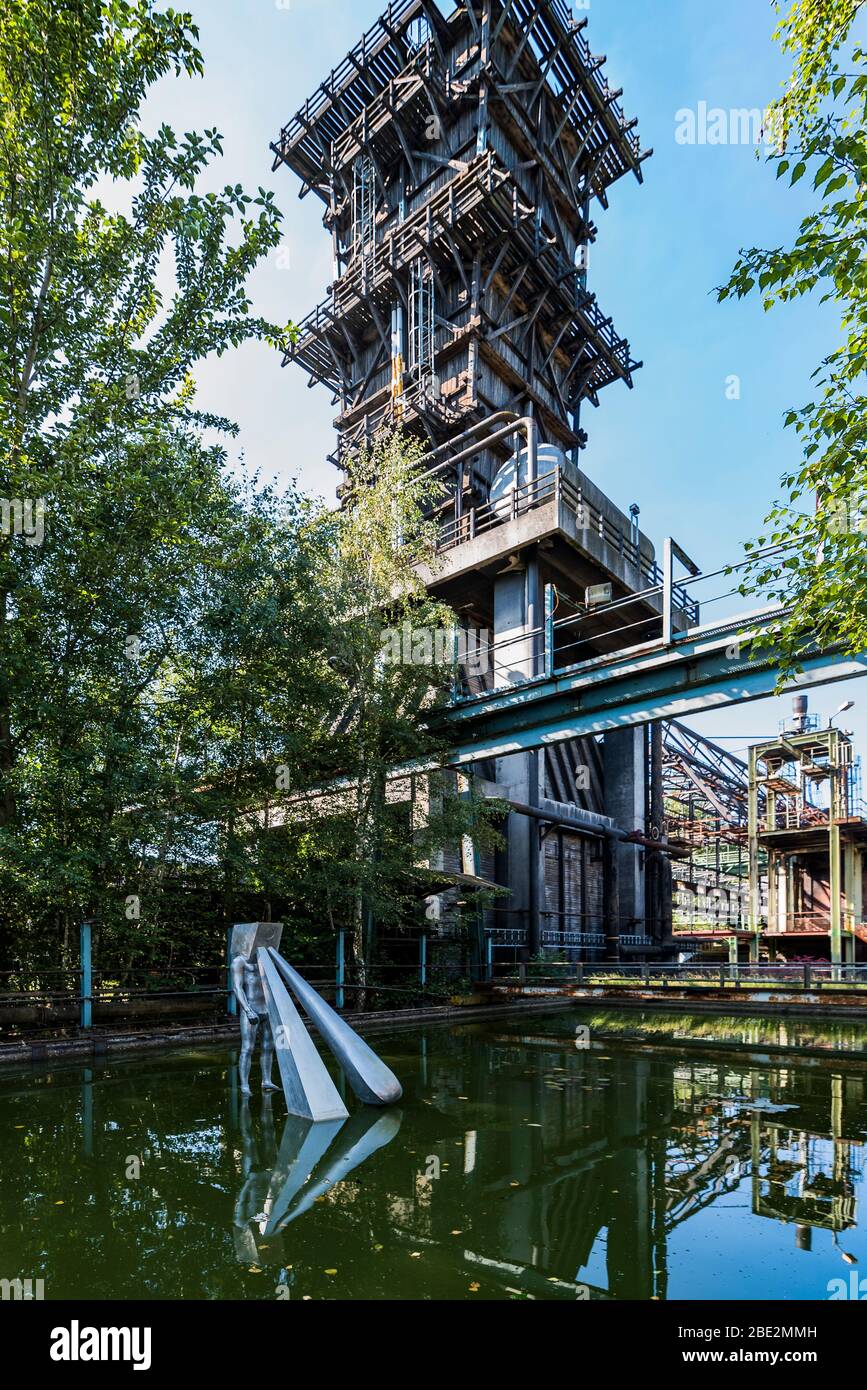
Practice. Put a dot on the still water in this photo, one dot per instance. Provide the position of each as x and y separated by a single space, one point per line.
519 1165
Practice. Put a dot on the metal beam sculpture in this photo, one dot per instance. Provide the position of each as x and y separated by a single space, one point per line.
309 1090
371 1080
260 977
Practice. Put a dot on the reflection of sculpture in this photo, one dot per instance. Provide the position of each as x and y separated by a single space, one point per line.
313 1158
308 1087
311 1162
257 1167
250 994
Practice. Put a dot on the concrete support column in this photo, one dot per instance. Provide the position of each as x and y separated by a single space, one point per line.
611 897
625 802
516 607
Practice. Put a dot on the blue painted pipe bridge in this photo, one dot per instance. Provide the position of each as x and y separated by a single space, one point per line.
705 668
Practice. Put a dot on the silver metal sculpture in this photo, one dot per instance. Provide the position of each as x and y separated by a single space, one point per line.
308 1088
371 1080
260 977
247 940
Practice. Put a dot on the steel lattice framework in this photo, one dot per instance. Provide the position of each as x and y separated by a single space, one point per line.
462 154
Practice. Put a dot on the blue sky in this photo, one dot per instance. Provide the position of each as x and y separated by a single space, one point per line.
703 468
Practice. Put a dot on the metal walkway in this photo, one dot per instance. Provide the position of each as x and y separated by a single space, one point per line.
705 668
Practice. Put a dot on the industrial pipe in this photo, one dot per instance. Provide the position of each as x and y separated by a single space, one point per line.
523 424
612 832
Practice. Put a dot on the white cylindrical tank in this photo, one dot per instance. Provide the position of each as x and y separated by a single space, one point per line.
513 473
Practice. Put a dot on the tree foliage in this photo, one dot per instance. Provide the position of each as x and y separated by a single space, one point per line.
104 316
185 661
374 838
813 555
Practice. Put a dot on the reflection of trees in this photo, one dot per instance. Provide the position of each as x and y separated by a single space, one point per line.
523 1165
760 1031
114 1236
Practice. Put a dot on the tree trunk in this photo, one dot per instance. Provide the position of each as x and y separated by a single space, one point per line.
7 754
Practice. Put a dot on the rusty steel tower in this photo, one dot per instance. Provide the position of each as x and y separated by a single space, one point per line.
459 157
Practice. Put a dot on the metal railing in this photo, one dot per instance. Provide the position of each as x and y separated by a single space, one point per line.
325 99
423 969
648 977
555 487
515 938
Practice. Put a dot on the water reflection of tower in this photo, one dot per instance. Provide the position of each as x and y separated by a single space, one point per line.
575 1192
813 1166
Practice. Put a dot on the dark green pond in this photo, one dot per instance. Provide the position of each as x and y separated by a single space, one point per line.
524 1162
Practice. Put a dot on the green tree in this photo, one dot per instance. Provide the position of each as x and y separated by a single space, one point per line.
98 424
368 840
184 661
812 555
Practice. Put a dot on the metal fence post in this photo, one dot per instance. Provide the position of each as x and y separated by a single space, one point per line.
86 978
341 969
422 960
489 957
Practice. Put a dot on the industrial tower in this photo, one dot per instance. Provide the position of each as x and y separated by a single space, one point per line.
459 157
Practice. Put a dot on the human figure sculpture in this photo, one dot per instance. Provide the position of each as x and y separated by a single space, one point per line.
253 1008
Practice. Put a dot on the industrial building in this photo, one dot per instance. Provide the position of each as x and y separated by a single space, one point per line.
773 851
460 159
